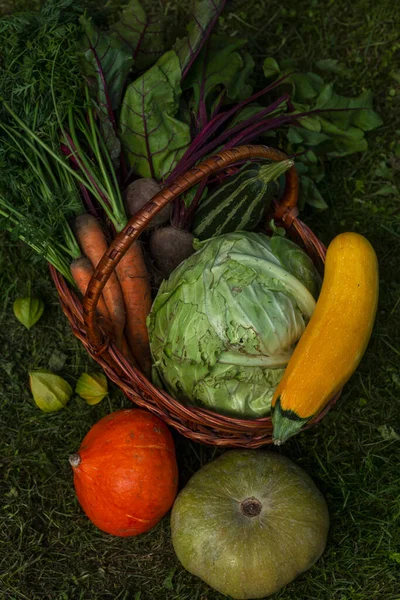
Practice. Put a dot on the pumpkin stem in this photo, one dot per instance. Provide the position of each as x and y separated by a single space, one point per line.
251 507
74 460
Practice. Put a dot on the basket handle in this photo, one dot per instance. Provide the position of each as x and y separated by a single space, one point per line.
285 211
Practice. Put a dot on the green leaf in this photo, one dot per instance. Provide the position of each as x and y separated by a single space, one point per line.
316 80
352 133
152 137
325 96
366 118
50 392
107 62
205 15
343 117
225 68
331 65
270 67
383 171
294 135
311 157
345 146
337 131
326 64
168 580
310 193
92 387
306 86
395 556
301 168
388 433
299 135
28 310
240 89
142 35
311 123
360 186
387 190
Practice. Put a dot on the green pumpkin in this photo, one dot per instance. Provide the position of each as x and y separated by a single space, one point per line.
248 523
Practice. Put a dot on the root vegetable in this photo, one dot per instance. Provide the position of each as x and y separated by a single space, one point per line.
135 284
169 247
94 245
141 191
82 271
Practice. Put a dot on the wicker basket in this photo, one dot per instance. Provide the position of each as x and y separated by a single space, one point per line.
198 424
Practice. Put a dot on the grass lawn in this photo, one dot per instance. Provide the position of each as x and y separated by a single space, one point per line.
48 548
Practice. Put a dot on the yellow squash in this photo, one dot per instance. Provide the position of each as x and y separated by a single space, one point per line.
335 338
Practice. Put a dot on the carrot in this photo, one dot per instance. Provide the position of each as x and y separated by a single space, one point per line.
126 351
82 271
94 245
135 284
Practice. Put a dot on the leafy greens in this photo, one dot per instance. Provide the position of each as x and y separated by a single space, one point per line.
155 111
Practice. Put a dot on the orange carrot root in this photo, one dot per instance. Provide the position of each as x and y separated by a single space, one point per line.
82 271
135 285
126 351
94 245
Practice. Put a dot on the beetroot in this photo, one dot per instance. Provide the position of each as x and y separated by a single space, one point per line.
169 247
141 191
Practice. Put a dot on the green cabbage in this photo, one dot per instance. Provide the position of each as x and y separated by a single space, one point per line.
224 325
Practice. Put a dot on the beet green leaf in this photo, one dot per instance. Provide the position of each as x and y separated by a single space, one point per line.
220 68
107 63
152 137
108 60
141 33
205 15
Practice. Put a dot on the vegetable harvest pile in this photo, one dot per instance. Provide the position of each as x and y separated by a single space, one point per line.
214 304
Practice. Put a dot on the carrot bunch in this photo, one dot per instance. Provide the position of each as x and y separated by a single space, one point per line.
126 298
87 173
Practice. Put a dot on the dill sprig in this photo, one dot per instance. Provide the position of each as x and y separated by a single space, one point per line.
41 81
38 198
36 48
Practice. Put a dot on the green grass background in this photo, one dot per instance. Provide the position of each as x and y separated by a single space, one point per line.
48 548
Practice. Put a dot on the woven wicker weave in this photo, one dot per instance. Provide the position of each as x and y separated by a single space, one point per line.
198 424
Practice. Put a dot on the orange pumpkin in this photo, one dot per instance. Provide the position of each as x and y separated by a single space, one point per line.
125 473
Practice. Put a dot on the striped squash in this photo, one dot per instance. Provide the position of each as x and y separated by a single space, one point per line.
239 204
